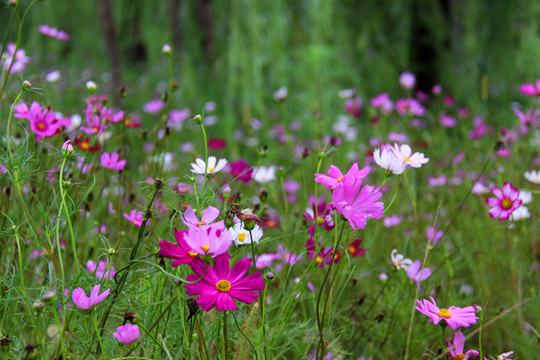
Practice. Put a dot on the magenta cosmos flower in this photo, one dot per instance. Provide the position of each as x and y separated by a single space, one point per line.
53 32
135 217
530 89
357 203
455 349
336 176
112 161
208 216
221 285
454 316
84 302
127 334
181 252
506 201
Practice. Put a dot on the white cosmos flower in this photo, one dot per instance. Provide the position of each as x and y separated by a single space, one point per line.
533 176
399 261
404 153
386 159
241 236
264 174
525 196
520 213
199 166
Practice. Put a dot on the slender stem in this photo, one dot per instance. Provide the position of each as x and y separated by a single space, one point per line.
68 217
8 136
225 339
98 335
395 195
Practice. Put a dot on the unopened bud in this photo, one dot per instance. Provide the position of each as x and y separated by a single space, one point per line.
322 155
269 275
111 251
198 119
26 84
166 49
12 2
67 148
49 296
38 305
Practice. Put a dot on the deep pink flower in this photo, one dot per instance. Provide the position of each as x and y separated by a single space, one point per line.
336 176
127 333
354 249
181 252
216 143
112 161
529 118
354 106
153 106
454 316
357 203
324 215
433 234
506 201
324 256
240 170
410 107
84 302
455 350
43 121
530 89
221 285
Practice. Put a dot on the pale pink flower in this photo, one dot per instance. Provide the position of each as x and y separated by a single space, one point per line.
53 32
135 217
127 333
457 346
336 177
454 316
407 80
415 273
112 161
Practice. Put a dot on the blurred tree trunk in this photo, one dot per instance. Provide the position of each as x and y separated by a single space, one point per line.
174 23
107 22
130 29
207 26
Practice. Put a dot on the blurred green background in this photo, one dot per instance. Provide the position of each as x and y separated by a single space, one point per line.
238 52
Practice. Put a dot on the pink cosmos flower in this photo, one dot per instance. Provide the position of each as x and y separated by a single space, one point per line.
153 106
18 58
84 302
136 217
404 153
391 221
208 216
357 203
354 106
181 252
127 333
221 285
354 249
454 316
455 349
112 161
208 240
530 89
433 234
407 80
43 121
410 107
506 201
101 269
177 118
53 32
448 121
414 273
336 176
529 118
324 256
384 102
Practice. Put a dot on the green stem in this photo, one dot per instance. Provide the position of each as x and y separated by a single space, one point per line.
225 339
98 335
68 217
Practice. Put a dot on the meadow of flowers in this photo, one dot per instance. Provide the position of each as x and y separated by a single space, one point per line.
402 228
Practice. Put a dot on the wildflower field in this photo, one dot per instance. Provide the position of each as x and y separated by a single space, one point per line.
269 180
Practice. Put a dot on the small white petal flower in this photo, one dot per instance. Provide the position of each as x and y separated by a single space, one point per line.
533 176
264 174
404 153
387 160
399 261
199 166
241 236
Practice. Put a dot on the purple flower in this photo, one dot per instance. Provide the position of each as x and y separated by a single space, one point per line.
407 80
101 269
53 32
84 302
506 201
414 273
127 333
455 350
153 106
18 58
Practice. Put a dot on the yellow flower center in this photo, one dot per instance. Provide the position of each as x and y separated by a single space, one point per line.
444 313
223 286
41 126
84 146
320 220
211 169
192 254
201 223
506 203
340 178
205 248
460 356
351 249
318 259
406 159
96 129
127 122
241 237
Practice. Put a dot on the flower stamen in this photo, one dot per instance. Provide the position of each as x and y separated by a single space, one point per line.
444 313
223 286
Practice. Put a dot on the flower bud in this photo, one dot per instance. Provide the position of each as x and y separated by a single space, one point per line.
67 148
26 84
198 119
49 296
91 86
166 49
38 305
269 275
